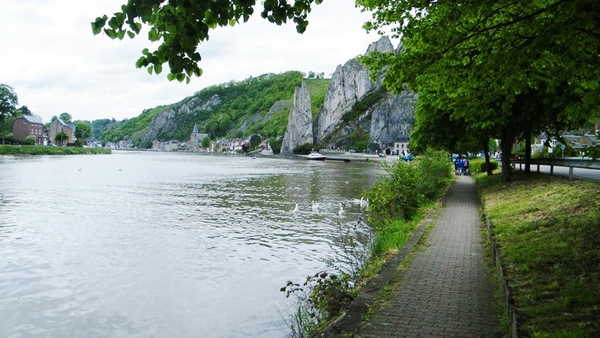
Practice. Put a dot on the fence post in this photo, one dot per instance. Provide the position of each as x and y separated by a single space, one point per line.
571 173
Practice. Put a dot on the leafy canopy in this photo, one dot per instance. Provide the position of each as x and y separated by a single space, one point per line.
179 26
8 101
506 68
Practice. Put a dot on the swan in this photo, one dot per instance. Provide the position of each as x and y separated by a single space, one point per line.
341 213
363 203
315 206
296 209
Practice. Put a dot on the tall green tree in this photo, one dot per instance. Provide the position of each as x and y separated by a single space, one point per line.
179 26
206 142
83 130
481 58
8 105
65 117
60 138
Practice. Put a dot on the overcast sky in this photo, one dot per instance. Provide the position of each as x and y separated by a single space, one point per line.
55 64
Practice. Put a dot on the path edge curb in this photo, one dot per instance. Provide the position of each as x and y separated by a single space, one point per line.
351 320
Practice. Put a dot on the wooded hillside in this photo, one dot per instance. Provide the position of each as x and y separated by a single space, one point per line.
244 109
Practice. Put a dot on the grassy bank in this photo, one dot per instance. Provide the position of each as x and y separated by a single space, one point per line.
548 231
42 150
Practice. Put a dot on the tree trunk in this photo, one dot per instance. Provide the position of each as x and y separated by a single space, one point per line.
506 143
486 154
527 152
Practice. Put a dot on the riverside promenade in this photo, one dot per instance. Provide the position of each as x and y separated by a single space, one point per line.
444 290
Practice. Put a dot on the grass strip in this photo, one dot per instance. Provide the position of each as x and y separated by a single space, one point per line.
548 231
42 150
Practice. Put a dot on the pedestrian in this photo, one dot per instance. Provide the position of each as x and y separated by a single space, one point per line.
466 165
460 164
456 160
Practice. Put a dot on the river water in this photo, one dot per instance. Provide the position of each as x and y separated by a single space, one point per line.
139 244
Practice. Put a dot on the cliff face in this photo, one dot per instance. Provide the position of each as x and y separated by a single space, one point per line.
392 118
349 84
386 121
166 121
299 128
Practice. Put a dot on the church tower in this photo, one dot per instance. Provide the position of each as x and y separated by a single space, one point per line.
195 138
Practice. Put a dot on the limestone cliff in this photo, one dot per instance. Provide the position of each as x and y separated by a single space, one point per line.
350 83
392 118
299 129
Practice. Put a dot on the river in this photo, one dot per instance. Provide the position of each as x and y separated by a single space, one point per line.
141 244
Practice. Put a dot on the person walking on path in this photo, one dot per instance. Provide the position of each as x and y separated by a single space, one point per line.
445 291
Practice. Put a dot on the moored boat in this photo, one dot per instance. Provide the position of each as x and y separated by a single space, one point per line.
315 156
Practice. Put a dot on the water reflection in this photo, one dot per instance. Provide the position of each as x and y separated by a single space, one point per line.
139 244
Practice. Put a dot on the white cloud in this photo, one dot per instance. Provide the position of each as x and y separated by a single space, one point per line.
55 64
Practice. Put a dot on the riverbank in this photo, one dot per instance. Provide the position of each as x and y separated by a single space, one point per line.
547 232
45 150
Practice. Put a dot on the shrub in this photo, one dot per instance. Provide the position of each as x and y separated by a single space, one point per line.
304 149
395 196
478 165
435 173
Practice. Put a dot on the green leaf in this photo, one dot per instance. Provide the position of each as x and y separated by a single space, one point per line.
110 33
171 76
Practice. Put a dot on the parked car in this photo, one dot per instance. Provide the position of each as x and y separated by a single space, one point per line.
381 155
408 157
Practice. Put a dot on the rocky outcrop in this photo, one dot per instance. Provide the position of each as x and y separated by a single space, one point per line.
166 122
299 129
349 84
393 118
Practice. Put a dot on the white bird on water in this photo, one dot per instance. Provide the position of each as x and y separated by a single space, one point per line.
341 213
296 209
363 203
315 206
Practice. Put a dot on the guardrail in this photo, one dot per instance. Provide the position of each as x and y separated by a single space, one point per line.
570 163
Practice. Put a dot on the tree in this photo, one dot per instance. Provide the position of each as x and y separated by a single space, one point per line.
482 59
8 104
181 25
60 137
65 117
206 142
83 130
24 110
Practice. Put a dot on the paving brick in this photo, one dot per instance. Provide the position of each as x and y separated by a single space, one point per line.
444 292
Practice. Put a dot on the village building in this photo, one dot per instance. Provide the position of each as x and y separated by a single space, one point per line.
195 142
401 145
58 126
30 125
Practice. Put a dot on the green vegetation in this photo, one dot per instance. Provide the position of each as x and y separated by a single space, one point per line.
42 150
400 198
365 103
317 88
506 70
548 233
178 40
397 204
238 109
8 105
132 128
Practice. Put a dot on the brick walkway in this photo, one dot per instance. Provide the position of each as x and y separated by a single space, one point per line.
445 291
